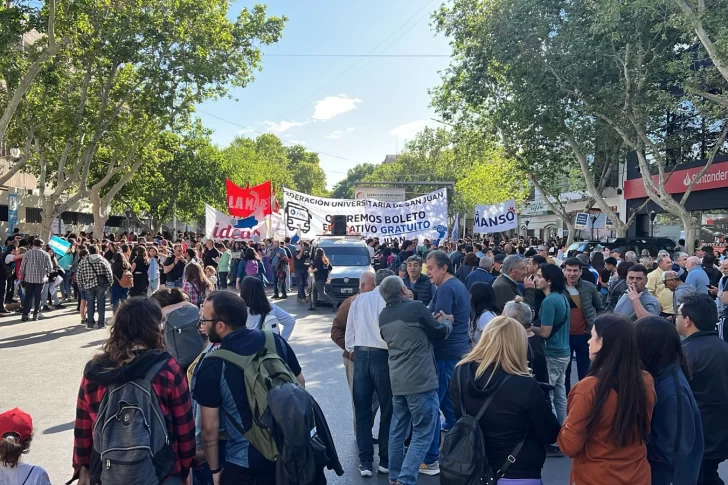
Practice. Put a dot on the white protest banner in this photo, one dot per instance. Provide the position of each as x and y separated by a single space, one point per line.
220 226
581 220
495 218
423 217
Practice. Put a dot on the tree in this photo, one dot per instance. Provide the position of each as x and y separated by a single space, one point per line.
188 171
344 189
564 71
308 176
133 69
16 72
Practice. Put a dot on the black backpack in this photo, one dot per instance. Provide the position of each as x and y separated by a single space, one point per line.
463 459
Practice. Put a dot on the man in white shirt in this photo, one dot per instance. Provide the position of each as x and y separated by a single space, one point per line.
371 374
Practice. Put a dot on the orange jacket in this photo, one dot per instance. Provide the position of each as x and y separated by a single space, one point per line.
596 460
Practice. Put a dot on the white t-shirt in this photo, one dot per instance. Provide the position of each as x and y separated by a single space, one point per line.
371 252
23 474
482 322
9 259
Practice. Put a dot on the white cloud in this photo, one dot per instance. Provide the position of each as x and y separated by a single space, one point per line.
335 135
281 126
408 131
332 106
245 131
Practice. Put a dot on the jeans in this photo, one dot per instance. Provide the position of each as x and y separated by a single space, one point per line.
421 412
32 294
117 295
320 290
445 369
50 288
709 474
236 475
174 284
302 282
371 373
557 375
349 370
96 297
222 281
579 345
66 285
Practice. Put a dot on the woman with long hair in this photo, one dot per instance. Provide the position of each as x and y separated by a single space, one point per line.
140 272
675 447
134 348
119 265
196 284
483 308
609 411
320 270
262 314
249 266
518 422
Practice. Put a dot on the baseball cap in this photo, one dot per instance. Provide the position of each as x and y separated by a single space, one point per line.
617 250
18 422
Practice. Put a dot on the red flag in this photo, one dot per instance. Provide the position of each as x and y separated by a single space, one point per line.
247 202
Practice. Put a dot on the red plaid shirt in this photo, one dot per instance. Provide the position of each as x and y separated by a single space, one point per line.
171 389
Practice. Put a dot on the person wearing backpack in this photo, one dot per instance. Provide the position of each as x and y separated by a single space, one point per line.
409 329
224 391
196 284
504 420
134 379
180 325
262 314
249 266
120 271
93 277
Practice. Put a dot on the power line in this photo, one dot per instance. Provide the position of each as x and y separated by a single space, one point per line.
281 139
343 73
360 55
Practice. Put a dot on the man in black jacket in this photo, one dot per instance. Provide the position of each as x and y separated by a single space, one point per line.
707 356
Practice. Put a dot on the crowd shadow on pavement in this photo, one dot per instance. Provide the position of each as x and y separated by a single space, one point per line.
40 337
60 428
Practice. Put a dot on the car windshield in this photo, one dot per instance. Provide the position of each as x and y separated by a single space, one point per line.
348 255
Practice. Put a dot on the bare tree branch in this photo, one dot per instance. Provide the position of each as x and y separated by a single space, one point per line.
713 153
710 48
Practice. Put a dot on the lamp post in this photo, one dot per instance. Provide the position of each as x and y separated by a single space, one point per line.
653 215
526 223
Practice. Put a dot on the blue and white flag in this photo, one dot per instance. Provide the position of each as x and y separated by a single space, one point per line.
456 228
296 237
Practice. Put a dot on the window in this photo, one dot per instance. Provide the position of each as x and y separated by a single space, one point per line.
84 218
3 213
33 215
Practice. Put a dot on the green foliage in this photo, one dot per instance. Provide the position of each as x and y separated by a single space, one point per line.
344 189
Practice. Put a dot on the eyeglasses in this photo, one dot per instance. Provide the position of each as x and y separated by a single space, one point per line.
203 321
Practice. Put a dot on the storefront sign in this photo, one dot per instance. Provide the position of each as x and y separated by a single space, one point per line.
581 220
385 195
714 178
495 218
423 217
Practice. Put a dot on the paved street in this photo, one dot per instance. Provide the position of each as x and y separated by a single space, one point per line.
42 364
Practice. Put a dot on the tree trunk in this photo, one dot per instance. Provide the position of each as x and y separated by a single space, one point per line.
100 213
622 230
690 224
572 233
49 212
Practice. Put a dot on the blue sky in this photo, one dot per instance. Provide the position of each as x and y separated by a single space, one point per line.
365 114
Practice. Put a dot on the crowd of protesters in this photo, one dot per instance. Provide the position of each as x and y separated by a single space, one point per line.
444 336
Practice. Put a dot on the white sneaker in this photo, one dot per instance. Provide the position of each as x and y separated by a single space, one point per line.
382 469
365 470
